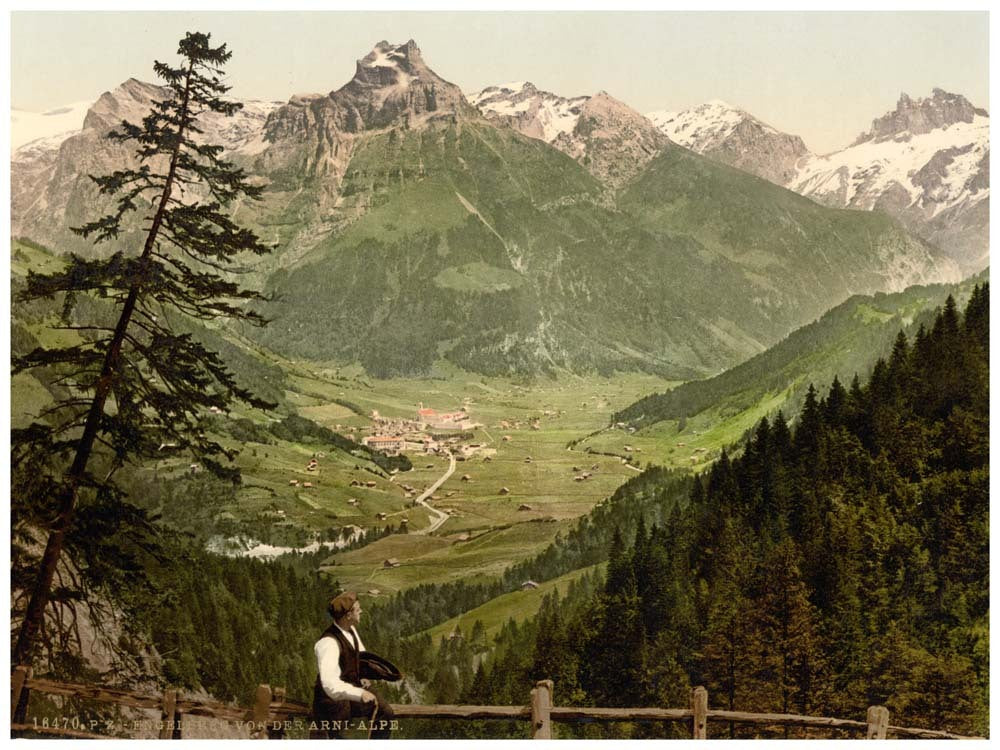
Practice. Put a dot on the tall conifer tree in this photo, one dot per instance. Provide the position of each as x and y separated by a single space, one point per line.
136 385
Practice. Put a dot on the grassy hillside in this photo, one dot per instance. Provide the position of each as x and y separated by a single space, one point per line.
843 342
688 426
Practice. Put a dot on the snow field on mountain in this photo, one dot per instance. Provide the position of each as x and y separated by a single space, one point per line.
700 127
870 168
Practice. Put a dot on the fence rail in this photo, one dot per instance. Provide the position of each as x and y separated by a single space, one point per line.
271 714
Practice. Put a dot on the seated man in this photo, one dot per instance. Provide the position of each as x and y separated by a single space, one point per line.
340 694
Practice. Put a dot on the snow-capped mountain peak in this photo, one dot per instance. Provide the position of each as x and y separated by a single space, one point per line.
538 114
733 136
704 127
927 163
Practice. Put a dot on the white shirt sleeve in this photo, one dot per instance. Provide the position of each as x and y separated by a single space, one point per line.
328 661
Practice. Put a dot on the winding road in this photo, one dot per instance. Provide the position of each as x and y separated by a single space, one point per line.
439 517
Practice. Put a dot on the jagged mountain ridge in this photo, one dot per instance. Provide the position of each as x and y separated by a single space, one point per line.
410 227
926 163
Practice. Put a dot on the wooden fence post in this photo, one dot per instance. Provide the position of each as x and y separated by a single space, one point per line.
19 693
277 732
168 714
261 709
878 722
699 707
541 710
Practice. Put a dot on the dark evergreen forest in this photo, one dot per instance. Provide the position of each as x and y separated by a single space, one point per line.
829 567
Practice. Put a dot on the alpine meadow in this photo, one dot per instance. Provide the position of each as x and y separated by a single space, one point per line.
419 410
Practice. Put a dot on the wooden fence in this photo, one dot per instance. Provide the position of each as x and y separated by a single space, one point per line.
271 715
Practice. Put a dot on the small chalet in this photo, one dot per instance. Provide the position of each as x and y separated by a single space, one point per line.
392 562
528 585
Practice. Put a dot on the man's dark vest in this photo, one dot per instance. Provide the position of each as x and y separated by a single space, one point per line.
325 707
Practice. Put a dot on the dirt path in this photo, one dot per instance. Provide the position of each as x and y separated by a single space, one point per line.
439 517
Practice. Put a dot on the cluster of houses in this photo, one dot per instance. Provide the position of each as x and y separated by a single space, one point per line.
392 436
454 420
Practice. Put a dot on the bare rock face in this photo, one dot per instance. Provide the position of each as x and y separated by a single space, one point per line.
393 83
307 143
910 117
392 86
612 140
130 101
309 139
757 148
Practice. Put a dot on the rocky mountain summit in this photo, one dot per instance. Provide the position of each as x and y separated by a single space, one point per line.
392 85
608 137
925 163
936 112
734 137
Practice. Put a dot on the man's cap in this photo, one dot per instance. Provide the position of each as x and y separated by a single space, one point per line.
375 667
341 604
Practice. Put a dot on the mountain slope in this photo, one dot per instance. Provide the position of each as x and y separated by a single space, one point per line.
844 341
51 189
493 250
789 246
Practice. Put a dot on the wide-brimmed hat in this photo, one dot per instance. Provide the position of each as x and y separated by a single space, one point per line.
374 667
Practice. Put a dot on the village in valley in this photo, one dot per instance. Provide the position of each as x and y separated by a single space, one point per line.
429 432
406 480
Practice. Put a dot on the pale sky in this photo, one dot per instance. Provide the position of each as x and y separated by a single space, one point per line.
823 76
